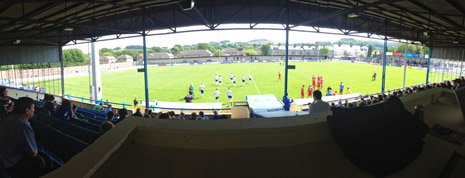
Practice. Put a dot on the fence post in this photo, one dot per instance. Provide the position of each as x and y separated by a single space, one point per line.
124 105
82 99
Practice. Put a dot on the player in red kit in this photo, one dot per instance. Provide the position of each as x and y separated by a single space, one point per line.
318 82
302 92
321 82
310 91
279 76
313 81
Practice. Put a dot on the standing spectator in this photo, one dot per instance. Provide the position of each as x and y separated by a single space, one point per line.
136 103
18 150
123 113
318 105
6 104
64 113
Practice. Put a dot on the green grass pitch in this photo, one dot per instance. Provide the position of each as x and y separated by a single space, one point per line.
170 83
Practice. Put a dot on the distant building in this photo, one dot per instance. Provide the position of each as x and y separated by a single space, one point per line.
154 56
194 53
231 52
107 59
347 51
125 58
294 51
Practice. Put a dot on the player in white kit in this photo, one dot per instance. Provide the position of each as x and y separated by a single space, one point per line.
229 92
243 80
202 89
231 76
219 79
250 77
217 94
216 79
234 80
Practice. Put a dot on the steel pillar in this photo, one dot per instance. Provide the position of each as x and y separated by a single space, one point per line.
147 102
383 82
405 63
428 66
285 100
96 79
60 55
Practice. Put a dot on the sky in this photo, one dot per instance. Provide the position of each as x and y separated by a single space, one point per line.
189 38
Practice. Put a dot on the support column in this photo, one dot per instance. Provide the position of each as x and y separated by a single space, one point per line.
461 65
147 102
383 85
428 66
405 63
285 100
60 53
96 80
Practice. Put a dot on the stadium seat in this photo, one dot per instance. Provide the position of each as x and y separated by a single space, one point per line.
80 133
86 125
59 143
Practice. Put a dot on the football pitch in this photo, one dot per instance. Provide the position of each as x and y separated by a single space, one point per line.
171 83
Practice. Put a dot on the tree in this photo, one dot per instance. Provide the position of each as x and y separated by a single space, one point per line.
176 49
250 52
410 48
324 51
370 49
218 53
157 49
117 48
361 55
425 50
202 45
265 49
74 57
104 51
134 47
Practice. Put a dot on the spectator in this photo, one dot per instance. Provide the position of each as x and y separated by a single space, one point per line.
109 109
346 104
18 150
136 102
329 93
64 112
318 105
182 116
193 116
202 116
48 104
106 126
74 112
172 115
224 117
215 116
123 113
110 116
188 98
98 107
138 113
5 102
149 114
351 105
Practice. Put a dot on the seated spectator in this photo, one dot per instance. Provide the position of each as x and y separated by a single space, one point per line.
202 115
172 115
193 116
149 114
138 113
215 116
224 117
351 105
49 104
123 113
318 105
110 115
188 98
18 148
108 109
74 111
6 104
98 107
329 93
64 113
182 116
106 126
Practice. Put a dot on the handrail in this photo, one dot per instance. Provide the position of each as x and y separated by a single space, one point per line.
91 100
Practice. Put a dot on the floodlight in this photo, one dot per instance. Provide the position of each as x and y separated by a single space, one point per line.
68 29
455 42
16 41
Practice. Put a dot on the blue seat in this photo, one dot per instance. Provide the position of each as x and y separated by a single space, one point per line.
59 143
80 133
86 125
